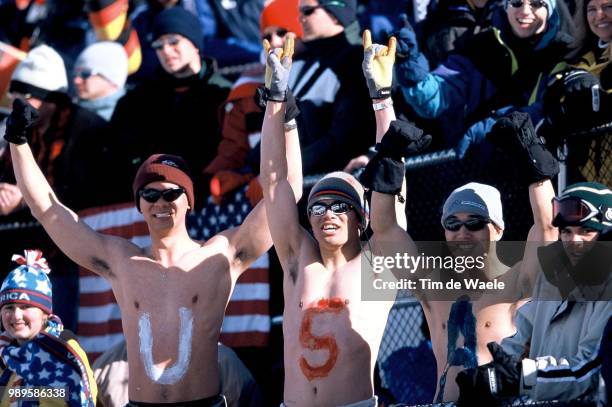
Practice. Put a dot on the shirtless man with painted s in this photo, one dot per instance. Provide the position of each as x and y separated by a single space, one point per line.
331 336
172 294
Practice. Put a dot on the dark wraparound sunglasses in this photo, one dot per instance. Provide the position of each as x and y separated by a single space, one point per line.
472 224
534 4
308 10
85 74
337 208
152 195
281 32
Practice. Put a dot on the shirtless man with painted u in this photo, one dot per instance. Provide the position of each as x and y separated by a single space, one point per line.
172 294
331 336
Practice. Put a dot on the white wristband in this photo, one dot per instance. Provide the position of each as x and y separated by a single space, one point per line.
290 125
382 105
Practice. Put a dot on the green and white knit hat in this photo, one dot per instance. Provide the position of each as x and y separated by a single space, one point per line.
598 195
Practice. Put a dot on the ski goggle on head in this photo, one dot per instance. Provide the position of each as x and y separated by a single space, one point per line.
572 211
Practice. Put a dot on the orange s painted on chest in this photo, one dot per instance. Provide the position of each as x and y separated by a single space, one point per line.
323 342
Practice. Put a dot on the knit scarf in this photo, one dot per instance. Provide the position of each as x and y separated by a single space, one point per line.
46 361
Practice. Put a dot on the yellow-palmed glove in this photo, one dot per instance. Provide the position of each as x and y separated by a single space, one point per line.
278 66
378 66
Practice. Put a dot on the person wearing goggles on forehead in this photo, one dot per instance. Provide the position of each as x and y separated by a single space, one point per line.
503 68
99 76
554 353
581 212
173 293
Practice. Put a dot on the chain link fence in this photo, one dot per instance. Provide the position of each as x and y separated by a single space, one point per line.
406 363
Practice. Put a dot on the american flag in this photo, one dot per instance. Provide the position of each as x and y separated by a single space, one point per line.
247 318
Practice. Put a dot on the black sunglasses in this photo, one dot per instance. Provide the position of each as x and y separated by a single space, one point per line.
152 195
85 74
534 4
472 224
171 40
308 10
337 208
281 32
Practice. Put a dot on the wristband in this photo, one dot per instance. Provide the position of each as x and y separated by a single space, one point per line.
290 125
382 105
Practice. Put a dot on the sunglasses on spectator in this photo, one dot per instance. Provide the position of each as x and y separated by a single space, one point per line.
159 43
85 74
534 4
152 195
281 32
472 224
572 210
337 208
308 10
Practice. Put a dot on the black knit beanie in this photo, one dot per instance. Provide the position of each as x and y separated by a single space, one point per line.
177 20
345 11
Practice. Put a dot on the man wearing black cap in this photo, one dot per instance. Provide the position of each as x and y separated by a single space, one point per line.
172 294
178 111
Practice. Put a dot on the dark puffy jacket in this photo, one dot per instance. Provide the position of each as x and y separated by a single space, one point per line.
172 116
454 20
72 155
336 122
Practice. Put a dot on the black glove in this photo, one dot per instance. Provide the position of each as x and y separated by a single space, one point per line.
291 109
20 122
486 385
411 66
573 100
402 140
385 171
515 135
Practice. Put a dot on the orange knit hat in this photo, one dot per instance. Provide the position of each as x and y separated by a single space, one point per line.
283 14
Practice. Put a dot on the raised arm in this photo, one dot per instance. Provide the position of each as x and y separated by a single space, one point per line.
275 218
385 172
87 248
516 135
279 195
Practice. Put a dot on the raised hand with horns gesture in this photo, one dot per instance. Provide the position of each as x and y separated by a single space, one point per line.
278 66
377 66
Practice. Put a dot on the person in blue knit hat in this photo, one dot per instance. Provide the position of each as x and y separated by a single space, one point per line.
35 350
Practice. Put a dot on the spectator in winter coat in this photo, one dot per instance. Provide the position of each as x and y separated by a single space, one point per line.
177 113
